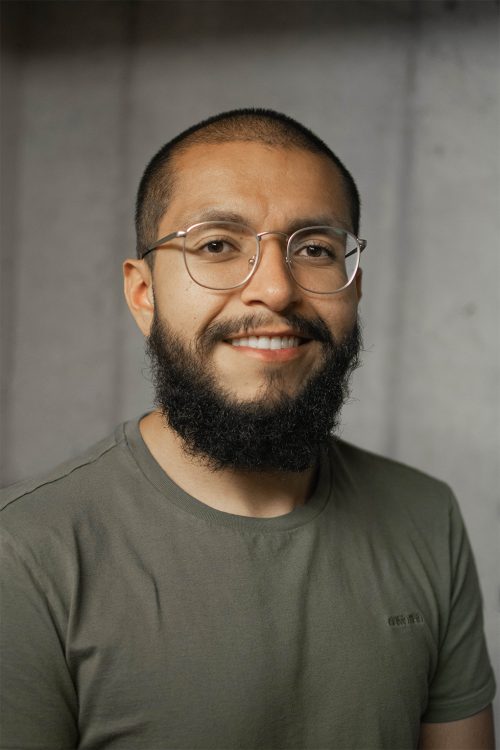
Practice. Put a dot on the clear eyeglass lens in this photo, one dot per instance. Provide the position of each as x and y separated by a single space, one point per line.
323 259
219 255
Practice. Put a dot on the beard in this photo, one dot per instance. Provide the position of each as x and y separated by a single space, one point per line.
274 432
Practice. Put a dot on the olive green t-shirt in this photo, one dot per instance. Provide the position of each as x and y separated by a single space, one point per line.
135 617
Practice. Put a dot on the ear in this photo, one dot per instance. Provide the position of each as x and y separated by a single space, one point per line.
138 288
358 282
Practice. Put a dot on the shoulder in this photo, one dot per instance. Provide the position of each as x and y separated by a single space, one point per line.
384 472
66 492
393 490
380 466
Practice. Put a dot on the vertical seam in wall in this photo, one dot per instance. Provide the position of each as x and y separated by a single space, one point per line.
404 238
122 208
11 86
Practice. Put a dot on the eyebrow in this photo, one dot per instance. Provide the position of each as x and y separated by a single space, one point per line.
212 214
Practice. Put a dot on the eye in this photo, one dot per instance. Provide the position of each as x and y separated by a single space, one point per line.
216 247
314 251
211 242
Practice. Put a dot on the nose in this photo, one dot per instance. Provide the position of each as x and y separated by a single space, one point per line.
271 284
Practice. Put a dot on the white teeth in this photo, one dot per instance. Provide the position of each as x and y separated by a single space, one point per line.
263 342
267 342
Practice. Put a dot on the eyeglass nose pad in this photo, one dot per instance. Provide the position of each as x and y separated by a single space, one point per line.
252 261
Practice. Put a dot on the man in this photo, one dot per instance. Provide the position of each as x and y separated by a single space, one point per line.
222 573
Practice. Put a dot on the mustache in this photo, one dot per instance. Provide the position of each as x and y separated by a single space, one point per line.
311 328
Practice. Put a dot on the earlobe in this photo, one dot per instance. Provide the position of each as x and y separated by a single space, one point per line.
138 289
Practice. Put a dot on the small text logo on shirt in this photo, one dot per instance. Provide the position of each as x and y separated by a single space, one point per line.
399 621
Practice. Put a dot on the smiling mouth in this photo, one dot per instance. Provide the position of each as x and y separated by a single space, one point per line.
268 342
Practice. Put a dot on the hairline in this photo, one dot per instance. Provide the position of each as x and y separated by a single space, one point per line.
172 169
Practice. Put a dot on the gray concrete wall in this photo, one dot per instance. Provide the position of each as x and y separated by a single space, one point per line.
406 92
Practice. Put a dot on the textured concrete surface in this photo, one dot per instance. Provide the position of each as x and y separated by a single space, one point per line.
407 93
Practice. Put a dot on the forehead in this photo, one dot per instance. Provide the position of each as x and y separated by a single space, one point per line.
255 181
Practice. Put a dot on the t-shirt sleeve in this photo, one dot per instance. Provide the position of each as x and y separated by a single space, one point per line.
38 701
463 682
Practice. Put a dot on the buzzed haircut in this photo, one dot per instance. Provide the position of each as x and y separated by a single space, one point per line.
258 125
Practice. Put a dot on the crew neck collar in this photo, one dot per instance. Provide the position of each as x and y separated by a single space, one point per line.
178 497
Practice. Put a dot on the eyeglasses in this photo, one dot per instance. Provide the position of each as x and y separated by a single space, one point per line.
224 255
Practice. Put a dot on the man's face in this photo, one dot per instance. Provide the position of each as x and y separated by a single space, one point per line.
269 189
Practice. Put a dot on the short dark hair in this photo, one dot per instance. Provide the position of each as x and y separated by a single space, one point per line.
260 125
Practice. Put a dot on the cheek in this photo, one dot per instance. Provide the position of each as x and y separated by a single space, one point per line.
339 313
185 307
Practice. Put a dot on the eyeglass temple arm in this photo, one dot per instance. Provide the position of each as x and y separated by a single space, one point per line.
162 240
362 245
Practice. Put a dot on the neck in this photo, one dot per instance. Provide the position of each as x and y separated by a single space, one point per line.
255 494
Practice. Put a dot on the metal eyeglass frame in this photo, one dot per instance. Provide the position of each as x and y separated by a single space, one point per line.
254 261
